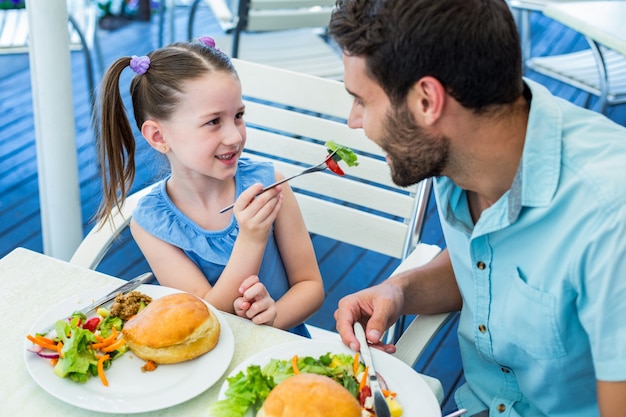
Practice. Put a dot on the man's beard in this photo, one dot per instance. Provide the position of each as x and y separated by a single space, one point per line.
413 154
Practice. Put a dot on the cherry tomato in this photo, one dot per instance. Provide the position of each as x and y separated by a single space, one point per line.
92 324
333 166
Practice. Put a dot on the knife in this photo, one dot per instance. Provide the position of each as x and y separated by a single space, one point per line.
124 288
380 404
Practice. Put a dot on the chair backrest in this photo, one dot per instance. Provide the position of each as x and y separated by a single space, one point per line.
271 15
597 70
289 118
287 34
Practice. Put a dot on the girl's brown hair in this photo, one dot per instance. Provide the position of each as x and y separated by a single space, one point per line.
155 95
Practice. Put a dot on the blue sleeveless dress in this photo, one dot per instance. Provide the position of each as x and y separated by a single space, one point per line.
210 249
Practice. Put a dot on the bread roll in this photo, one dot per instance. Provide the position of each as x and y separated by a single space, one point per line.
310 395
171 329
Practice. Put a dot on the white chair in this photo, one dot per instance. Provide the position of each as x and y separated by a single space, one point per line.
82 32
598 71
289 117
288 34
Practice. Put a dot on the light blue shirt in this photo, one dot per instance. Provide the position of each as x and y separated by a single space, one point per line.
543 271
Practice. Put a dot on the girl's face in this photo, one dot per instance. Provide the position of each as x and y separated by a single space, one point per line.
207 133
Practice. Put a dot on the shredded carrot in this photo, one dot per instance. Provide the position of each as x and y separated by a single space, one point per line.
44 339
114 346
355 364
103 378
42 343
388 393
106 342
294 364
54 361
363 381
149 366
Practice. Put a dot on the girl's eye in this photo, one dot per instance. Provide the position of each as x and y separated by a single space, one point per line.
239 115
213 122
358 101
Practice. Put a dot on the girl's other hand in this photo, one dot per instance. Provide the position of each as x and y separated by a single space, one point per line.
255 302
256 212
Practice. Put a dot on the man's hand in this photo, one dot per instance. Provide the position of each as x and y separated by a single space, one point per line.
377 308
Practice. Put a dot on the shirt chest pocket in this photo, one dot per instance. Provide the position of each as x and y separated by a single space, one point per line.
531 321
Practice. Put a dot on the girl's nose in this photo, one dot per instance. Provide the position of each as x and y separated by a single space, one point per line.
234 135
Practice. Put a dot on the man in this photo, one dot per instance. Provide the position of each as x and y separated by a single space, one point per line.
531 193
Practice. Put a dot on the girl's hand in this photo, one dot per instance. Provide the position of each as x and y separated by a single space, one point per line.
256 213
255 302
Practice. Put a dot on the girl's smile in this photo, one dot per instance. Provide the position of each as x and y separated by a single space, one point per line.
228 158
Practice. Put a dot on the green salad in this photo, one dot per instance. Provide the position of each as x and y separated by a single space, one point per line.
251 388
83 347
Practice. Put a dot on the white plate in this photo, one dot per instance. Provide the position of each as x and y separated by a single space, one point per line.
416 398
130 390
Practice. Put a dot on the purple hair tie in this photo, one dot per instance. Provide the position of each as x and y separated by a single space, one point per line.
209 41
139 64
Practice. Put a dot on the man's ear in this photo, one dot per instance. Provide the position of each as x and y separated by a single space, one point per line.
426 100
151 131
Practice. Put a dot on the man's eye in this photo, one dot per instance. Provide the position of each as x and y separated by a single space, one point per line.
358 101
213 122
239 115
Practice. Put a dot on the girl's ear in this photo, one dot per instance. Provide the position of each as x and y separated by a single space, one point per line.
426 100
151 131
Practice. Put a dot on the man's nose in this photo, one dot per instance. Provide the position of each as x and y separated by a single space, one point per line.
355 120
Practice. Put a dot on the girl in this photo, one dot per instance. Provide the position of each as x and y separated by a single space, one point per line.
256 261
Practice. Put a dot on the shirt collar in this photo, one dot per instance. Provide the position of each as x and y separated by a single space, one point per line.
538 174
540 167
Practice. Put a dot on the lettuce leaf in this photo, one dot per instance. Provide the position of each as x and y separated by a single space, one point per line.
343 153
244 391
250 389
108 323
338 366
76 359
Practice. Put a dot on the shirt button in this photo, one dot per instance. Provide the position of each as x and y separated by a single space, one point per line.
482 328
501 408
480 265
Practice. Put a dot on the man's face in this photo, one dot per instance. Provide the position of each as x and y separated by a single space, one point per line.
413 153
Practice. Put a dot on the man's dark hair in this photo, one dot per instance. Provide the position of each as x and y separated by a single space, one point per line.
471 46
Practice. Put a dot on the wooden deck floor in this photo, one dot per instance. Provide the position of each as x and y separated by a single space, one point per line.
345 268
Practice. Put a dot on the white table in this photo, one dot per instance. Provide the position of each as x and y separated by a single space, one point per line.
31 283
602 21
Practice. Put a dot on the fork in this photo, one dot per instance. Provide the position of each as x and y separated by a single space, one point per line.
319 167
